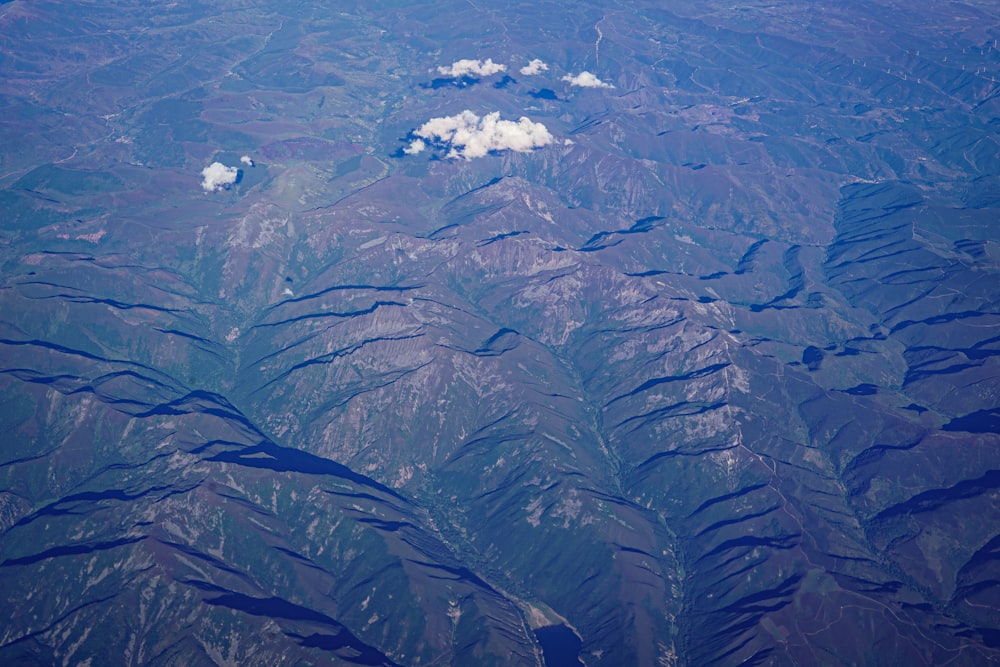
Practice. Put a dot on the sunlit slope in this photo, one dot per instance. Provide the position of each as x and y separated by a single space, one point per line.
710 378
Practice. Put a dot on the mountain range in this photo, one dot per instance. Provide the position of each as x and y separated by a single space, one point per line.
696 364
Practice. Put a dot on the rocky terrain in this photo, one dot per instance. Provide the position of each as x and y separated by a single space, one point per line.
709 376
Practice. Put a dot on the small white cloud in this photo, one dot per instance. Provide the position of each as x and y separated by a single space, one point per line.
416 146
218 176
586 80
247 160
467 67
534 67
468 136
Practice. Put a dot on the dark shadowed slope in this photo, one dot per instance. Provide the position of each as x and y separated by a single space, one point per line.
710 379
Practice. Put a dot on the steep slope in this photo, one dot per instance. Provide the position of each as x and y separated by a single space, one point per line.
710 379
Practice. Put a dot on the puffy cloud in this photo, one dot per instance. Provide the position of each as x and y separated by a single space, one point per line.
586 80
468 136
467 67
218 176
534 67
247 160
416 146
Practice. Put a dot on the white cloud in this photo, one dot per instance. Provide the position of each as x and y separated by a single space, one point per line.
415 147
247 160
467 67
468 136
218 176
534 67
586 80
